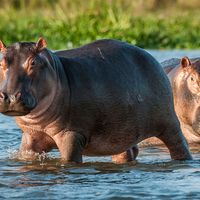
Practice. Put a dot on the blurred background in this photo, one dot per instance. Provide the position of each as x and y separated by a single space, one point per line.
150 24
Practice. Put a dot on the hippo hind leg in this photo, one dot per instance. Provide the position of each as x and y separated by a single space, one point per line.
126 156
175 141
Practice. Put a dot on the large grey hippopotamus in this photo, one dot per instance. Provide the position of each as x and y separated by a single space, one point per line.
101 99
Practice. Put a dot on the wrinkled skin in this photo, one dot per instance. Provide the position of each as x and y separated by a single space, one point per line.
184 76
101 99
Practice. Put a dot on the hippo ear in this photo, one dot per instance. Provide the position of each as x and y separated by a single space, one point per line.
185 62
41 44
2 47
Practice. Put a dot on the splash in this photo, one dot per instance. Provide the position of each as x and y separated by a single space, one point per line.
14 154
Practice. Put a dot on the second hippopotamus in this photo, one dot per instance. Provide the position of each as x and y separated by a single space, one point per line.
184 75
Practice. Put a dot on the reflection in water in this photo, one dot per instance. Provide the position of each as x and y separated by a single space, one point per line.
152 176
158 178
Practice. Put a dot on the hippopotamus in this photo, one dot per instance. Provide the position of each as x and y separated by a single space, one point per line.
100 99
184 76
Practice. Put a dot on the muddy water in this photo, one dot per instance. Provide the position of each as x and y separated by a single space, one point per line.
153 176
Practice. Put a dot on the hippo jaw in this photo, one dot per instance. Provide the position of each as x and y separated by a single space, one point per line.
15 113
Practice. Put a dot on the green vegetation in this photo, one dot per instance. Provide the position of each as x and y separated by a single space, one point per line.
149 24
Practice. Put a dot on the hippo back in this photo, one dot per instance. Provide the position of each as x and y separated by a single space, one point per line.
170 64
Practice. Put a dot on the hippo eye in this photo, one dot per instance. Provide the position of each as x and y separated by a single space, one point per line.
33 62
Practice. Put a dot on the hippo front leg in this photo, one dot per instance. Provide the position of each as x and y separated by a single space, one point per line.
126 156
70 145
35 143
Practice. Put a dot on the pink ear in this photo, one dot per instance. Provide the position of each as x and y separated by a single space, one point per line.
2 47
41 44
185 62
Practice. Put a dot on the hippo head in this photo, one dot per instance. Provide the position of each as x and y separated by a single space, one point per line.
192 75
23 71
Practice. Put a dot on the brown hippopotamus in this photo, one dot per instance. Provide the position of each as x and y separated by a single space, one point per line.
101 99
185 82
184 76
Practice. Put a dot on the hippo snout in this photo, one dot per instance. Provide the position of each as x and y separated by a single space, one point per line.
9 98
16 104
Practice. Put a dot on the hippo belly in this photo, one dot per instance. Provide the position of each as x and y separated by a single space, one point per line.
100 146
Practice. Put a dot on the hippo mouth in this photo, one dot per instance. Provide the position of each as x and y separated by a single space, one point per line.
21 107
15 113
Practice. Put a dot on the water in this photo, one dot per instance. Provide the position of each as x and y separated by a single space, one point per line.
153 176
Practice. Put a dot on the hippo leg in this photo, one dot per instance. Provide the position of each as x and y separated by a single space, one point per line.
176 143
126 156
34 143
70 145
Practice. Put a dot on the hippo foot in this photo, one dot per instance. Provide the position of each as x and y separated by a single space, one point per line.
176 144
126 156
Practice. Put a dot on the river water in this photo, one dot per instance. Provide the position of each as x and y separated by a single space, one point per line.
152 176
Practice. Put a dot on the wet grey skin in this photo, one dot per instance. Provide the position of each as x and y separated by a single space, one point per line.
97 100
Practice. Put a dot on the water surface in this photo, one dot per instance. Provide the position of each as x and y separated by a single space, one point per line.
153 176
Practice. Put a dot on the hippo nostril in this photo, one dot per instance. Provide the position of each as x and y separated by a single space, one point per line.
15 97
3 96
18 95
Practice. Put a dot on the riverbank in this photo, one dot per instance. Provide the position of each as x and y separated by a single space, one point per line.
67 27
